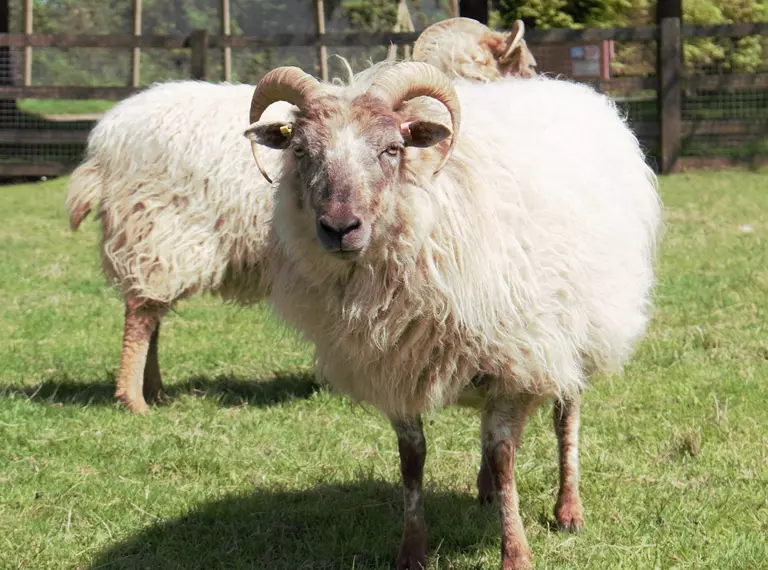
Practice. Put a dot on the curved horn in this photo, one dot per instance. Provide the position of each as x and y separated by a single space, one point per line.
519 28
289 84
411 79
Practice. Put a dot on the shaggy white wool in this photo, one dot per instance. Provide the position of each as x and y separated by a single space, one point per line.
528 259
182 205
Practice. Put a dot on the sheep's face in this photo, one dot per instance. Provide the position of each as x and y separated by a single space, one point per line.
343 161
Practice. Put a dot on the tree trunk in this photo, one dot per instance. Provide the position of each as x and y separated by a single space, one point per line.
475 9
669 9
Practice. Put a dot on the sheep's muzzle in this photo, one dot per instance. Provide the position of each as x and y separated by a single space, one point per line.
341 231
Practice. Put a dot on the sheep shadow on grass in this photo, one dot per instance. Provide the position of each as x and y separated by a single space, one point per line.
228 391
356 525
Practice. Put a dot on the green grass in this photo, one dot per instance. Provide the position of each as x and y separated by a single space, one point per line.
64 106
249 465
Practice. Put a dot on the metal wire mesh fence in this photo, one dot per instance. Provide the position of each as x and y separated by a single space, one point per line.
736 119
723 113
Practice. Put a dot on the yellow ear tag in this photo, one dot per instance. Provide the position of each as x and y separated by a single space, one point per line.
286 130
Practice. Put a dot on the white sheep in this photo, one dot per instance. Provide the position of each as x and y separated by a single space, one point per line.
520 261
183 210
463 47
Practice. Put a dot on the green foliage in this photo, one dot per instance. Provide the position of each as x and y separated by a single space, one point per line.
370 15
745 55
708 55
546 14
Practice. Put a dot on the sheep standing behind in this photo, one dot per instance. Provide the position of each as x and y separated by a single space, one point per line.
518 267
465 48
182 207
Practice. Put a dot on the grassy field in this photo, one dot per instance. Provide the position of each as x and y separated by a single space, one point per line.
249 465
65 106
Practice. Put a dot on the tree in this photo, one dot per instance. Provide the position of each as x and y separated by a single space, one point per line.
701 54
714 55
475 9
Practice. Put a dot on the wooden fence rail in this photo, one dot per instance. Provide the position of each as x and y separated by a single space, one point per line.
556 36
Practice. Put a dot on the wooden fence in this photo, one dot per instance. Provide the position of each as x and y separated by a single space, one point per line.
665 135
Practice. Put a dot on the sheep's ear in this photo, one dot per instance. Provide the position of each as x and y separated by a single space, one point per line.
273 135
423 133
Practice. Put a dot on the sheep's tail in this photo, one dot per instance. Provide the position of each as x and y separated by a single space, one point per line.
84 192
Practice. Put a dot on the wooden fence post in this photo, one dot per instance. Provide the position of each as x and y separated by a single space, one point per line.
404 23
135 63
669 69
322 50
27 49
198 43
225 31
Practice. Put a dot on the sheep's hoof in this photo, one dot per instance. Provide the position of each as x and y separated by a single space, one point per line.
136 406
485 489
412 557
521 562
153 394
152 386
575 526
569 517
406 562
485 498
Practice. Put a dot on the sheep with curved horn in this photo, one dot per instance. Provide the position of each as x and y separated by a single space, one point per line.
503 260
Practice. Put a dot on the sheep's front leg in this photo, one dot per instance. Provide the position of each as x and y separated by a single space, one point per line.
413 452
503 423
140 323
568 511
153 382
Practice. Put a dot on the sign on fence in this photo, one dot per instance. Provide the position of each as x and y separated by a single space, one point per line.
577 60
593 60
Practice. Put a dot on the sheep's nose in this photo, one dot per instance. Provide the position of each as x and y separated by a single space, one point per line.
336 228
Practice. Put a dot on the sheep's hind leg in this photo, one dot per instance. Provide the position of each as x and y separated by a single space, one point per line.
503 422
568 510
153 382
485 489
413 453
140 323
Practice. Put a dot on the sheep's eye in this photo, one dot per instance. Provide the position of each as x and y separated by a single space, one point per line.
393 149
299 150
